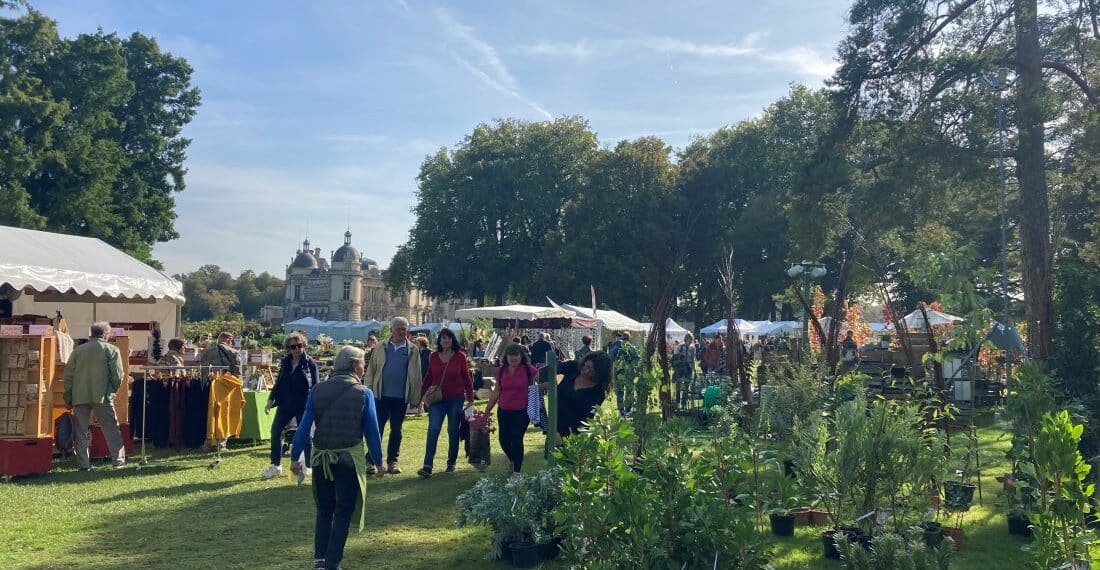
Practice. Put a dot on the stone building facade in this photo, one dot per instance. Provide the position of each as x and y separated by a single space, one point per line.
350 287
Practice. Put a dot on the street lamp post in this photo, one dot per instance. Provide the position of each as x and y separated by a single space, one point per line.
807 270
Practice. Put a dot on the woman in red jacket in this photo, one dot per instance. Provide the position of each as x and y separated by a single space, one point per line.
447 366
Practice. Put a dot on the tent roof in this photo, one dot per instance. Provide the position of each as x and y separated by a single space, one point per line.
672 327
915 320
513 312
44 261
607 318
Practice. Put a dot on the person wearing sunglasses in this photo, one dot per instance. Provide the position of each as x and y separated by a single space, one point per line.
297 376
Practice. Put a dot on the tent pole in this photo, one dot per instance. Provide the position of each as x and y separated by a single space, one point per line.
552 405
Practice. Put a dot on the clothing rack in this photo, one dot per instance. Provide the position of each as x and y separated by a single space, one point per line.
200 368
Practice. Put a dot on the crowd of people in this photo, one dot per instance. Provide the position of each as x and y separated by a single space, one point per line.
342 420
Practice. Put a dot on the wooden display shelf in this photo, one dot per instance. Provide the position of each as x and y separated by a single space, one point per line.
29 387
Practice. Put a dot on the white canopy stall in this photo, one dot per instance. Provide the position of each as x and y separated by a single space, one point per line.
87 281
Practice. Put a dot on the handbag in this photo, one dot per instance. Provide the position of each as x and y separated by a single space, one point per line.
435 393
534 400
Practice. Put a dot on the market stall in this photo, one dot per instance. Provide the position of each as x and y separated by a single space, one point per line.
52 288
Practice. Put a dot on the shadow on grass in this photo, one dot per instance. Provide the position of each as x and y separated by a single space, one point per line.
252 524
168 492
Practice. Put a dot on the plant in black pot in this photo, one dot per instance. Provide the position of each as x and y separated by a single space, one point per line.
781 500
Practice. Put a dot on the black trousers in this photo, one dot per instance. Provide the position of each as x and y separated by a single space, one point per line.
335 506
282 419
393 411
512 426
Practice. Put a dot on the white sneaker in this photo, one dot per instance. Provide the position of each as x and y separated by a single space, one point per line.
308 472
273 471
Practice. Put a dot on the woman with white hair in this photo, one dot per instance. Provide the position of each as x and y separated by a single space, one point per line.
342 409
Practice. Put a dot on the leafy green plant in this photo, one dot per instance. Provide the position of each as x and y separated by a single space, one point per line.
891 551
797 391
860 460
1061 536
516 510
675 505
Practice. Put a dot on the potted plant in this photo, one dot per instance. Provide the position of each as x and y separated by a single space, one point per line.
933 533
782 500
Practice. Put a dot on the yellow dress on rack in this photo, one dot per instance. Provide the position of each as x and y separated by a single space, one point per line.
225 411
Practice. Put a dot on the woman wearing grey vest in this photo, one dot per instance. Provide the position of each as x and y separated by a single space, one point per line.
342 409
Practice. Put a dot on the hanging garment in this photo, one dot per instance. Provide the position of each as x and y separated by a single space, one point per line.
177 411
197 401
158 414
224 415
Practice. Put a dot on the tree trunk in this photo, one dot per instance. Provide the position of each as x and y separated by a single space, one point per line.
1034 212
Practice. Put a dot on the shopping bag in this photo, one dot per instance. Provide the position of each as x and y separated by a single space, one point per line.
64 433
480 455
534 404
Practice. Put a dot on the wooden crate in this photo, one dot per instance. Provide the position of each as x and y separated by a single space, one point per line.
26 385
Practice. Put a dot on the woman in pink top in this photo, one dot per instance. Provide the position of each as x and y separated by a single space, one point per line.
511 394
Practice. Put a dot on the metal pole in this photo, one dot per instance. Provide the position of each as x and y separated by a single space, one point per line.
806 314
551 405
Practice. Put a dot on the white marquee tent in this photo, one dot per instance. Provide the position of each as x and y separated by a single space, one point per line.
513 312
87 281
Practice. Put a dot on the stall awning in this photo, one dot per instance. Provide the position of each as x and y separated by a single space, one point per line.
47 261
513 312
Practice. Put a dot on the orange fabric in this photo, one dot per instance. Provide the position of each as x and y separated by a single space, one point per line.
225 410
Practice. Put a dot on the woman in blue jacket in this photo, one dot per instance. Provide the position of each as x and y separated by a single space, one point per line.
297 376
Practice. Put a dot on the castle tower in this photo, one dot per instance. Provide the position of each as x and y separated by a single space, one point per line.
346 283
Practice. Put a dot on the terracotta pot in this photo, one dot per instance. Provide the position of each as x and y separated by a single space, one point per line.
934 500
801 516
818 517
956 535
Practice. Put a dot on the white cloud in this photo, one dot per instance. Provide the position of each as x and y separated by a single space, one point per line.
803 60
482 60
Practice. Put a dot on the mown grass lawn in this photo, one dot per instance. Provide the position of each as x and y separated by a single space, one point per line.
178 513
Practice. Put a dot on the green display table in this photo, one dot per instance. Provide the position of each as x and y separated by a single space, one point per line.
255 422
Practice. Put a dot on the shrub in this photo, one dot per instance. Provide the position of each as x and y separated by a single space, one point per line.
671 507
892 552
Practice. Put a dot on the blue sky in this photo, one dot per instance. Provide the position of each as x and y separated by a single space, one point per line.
317 115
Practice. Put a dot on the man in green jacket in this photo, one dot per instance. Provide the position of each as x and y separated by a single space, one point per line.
93 375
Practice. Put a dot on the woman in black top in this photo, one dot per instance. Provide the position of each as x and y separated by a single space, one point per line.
297 376
584 386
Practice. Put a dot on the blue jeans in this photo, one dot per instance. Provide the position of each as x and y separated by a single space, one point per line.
335 506
452 410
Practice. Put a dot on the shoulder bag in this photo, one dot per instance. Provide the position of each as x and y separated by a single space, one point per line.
435 393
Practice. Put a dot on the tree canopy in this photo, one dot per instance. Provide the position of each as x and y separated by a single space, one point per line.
90 133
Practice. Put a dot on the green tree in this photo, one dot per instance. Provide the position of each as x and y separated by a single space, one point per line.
90 133
916 66
487 208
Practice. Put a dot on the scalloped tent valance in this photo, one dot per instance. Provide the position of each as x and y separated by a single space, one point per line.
47 261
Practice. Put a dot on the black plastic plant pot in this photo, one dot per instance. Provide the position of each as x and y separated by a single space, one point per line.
828 542
933 534
550 550
1019 525
782 524
524 554
958 496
